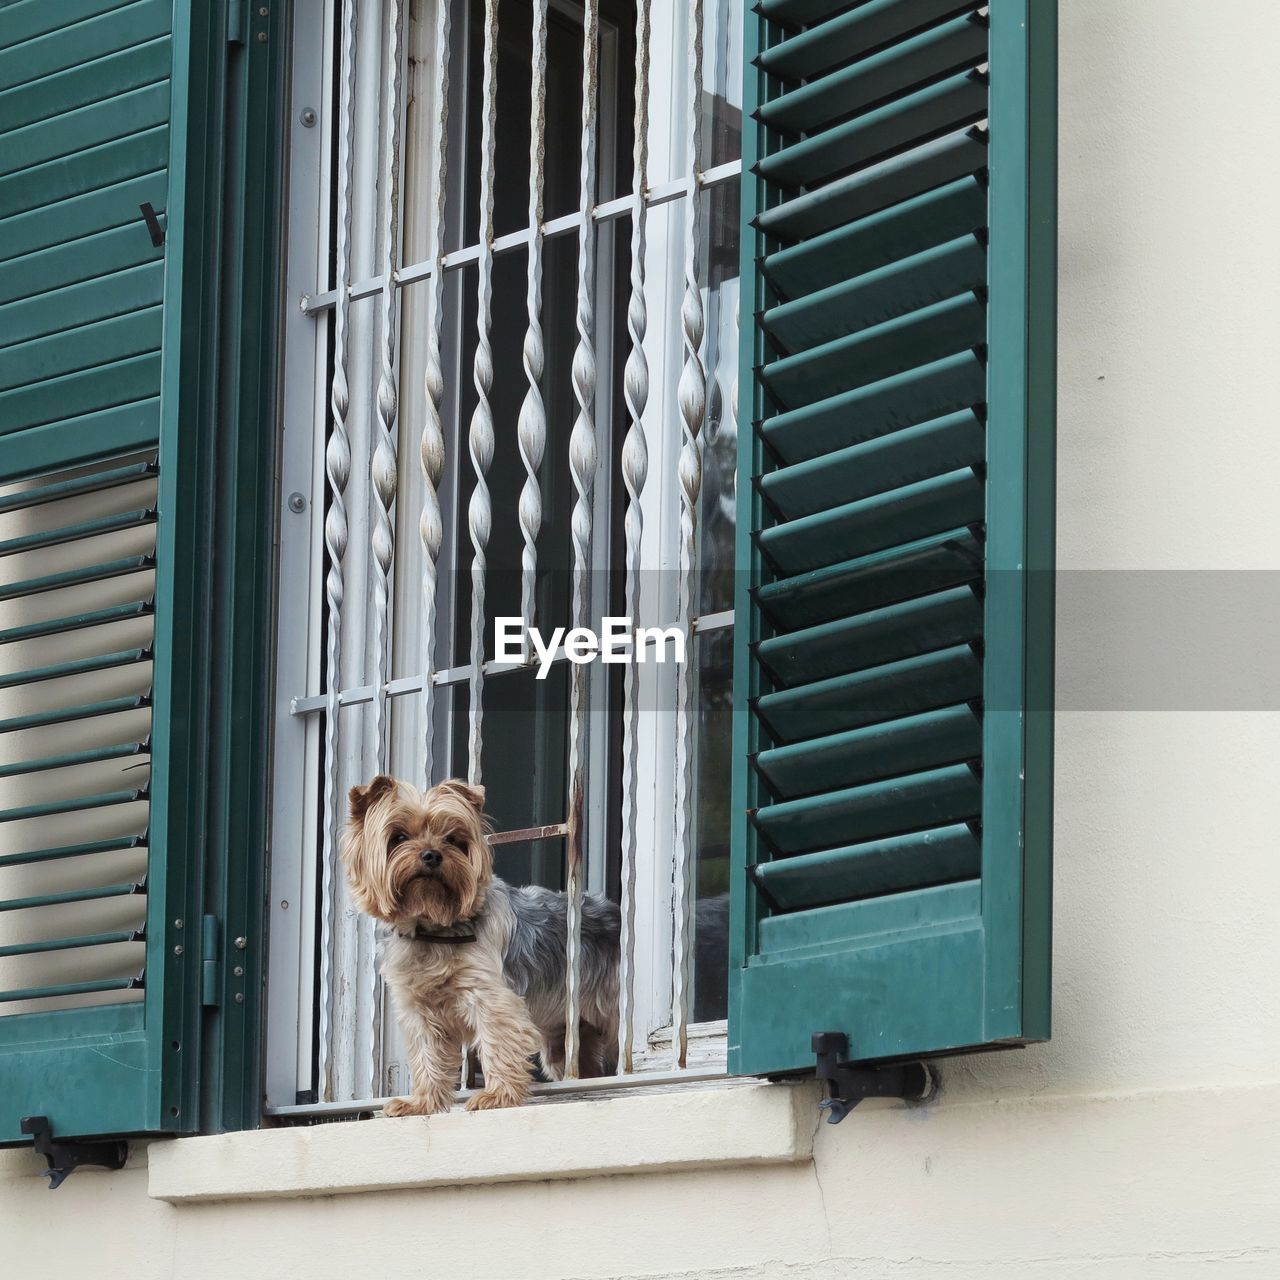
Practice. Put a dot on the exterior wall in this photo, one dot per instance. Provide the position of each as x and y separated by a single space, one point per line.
1143 1141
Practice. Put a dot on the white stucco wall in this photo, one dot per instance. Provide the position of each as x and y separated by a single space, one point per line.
1144 1141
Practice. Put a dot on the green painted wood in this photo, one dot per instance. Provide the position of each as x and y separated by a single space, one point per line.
953 104
954 46
61 853
68 760
871 355
849 35
947 560
888 462
904 400
126 889
77 804
872 695
77 577
77 943
873 639
22 20
79 666
59 225
76 621
69 715
925 222
49 1070
122 26
947 855
101 298
101 343
876 188
77 486
892 772
101 399
957 267
136 67
62 265
878 523
910 745
76 532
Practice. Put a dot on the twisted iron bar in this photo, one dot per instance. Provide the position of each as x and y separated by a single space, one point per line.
692 396
431 449
336 533
635 467
582 464
532 429
481 438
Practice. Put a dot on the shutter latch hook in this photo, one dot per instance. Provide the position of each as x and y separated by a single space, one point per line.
845 1085
65 1157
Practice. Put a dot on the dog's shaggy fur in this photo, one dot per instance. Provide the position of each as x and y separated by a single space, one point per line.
468 958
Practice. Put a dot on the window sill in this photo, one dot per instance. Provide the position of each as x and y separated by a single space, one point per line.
732 1123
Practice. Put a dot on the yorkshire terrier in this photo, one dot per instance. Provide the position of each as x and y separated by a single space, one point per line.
469 959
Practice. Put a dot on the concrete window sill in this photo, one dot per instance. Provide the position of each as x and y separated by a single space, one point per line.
640 1132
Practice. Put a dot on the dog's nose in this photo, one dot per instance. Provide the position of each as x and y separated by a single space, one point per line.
431 858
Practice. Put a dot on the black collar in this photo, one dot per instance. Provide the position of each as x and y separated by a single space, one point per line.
452 935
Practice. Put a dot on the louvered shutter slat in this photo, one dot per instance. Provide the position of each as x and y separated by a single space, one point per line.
890 780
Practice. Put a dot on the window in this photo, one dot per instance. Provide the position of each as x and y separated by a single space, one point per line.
834 816
629 727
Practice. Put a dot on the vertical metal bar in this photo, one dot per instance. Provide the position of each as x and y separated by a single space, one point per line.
480 440
383 473
533 415
635 466
582 463
431 447
338 472
692 396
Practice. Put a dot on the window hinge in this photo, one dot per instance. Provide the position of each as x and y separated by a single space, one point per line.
209 956
235 21
845 1085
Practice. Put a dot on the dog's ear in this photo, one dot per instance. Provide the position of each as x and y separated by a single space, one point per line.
473 795
360 798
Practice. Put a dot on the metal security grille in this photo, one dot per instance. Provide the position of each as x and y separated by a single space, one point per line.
78 549
429 476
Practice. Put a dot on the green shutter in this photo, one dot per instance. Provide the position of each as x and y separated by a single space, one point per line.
104 361
894 736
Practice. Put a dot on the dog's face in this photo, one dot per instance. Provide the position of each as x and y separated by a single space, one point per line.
414 855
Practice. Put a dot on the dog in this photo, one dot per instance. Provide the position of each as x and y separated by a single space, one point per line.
469 959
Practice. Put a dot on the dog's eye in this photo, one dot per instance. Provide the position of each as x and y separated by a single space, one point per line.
399 838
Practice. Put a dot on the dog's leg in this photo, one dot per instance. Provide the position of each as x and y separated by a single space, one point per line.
434 1061
507 1040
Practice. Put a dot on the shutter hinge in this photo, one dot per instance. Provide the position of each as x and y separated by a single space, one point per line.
235 21
845 1085
209 957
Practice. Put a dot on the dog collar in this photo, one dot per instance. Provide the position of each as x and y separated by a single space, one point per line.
463 931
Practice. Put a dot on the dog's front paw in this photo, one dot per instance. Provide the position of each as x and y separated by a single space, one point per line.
494 1098
415 1106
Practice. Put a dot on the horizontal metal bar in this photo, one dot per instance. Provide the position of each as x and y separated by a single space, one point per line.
76 805
93 755
528 834
85 849
127 889
71 944
81 666
608 211
313 703
76 487
79 621
78 577
555 1090
71 989
64 715
76 532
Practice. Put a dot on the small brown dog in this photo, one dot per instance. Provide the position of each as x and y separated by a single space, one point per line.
468 958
